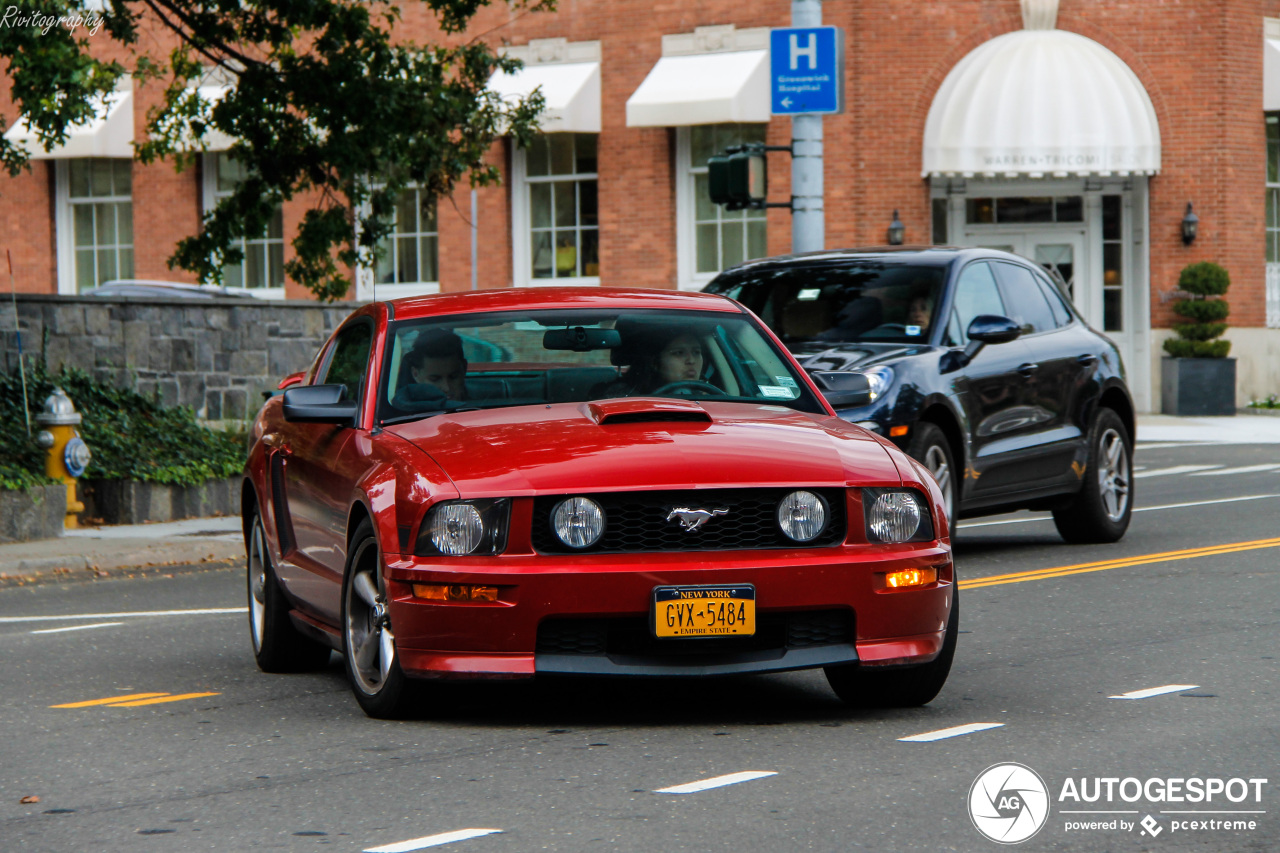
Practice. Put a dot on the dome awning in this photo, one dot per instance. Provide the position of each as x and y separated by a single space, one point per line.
1041 103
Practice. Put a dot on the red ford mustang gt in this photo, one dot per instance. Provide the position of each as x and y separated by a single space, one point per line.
590 482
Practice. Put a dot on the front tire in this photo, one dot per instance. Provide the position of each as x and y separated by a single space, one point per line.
906 687
929 447
368 642
277 645
1104 505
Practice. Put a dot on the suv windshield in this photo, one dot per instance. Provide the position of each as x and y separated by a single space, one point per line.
865 300
483 361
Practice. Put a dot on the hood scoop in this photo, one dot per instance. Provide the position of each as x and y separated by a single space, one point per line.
645 410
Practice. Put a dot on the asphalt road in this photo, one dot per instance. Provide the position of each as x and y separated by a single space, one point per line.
232 759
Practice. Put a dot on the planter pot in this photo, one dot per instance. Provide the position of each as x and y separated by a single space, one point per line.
35 513
130 502
1198 386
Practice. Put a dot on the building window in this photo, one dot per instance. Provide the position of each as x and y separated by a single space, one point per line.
100 212
1024 210
714 238
263 264
1112 264
557 226
410 254
1273 222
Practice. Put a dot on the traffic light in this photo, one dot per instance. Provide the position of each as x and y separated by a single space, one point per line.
739 178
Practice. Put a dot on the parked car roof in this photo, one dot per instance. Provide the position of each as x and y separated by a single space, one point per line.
137 287
916 255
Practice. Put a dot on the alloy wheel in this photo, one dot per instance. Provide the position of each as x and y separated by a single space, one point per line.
1113 474
370 642
935 459
257 583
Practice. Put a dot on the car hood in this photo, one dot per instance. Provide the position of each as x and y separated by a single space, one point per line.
645 443
819 355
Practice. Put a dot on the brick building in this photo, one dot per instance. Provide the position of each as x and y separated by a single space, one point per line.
1075 132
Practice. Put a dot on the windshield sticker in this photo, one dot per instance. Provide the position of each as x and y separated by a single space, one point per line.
785 381
777 391
913 330
809 294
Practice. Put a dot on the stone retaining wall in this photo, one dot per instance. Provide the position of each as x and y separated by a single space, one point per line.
35 513
128 502
216 355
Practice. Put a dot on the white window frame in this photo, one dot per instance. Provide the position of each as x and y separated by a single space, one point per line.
209 200
64 225
522 219
367 285
687 275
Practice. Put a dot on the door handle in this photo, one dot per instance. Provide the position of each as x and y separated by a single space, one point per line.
1086 360
1028 369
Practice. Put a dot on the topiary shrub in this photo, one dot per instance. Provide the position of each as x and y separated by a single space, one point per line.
1204 314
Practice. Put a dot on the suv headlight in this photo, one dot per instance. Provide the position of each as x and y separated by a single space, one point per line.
880 377
896 515
462 528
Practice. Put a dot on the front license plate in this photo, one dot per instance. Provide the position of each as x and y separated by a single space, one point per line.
704 611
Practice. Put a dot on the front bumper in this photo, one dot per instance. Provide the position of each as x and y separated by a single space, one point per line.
815 607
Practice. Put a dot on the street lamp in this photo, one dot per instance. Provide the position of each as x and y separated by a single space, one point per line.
1190 224
896 230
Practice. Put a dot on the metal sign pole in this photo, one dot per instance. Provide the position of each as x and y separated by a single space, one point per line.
808 221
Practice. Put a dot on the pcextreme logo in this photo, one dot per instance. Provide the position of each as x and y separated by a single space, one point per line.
1008 803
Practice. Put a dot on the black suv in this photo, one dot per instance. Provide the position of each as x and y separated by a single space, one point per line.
978 366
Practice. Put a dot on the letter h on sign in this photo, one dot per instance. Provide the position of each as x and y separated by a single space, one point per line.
810 53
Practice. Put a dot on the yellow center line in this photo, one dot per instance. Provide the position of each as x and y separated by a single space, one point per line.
177 698
1122 562
110 701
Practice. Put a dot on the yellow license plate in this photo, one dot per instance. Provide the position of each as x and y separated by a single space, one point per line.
704 611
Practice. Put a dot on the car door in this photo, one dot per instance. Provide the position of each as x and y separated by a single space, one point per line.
318 480
989 388
1054 374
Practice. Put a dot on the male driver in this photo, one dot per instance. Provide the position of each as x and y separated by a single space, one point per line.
437 359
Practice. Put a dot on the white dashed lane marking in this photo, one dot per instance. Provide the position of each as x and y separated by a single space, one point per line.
77 628
1176 469
965 525
954 731
716 782
1155 691
431 841
1248 469
214 611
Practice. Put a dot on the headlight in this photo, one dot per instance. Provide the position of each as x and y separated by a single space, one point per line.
459 528
578 522
880 378
802 516
896 515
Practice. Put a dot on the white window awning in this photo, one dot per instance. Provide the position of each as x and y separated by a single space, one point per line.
108 134
1270 75
1041 103
704 88
570 91
212 139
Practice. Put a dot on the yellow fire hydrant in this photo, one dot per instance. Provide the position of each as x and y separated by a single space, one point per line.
68 455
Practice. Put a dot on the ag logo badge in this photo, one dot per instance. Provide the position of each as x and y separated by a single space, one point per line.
1008 803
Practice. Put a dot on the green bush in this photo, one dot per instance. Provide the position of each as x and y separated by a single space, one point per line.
131 435
1204 314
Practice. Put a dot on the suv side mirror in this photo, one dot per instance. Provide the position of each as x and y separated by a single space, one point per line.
319 404
984 329
843 390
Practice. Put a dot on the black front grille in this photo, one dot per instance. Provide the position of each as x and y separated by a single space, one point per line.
637 522
630 635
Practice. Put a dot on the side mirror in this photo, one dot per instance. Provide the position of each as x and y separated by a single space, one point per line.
319 404
983 329
843 390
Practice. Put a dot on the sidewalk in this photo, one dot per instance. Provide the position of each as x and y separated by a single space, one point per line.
216 542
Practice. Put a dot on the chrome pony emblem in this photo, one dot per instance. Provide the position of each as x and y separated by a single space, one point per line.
692 519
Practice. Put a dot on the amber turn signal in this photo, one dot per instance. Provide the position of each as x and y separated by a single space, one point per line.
898 431
455 592
911 577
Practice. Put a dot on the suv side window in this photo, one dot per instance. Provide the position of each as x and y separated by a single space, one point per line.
350 358
1057 302
976 293
1028 305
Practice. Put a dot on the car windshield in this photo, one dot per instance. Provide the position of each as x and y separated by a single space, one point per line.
483 361
866 300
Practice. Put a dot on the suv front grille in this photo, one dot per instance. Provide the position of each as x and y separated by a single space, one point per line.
636 522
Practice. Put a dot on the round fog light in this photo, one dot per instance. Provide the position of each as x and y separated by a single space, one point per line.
456 529
895 517
802 516
578 522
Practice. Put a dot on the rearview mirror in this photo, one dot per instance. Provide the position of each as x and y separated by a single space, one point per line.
580 339
319 404
983 329
843 390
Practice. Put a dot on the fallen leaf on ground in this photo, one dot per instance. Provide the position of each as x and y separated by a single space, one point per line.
29 799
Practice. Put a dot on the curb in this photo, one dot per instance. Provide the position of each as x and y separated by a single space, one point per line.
58 572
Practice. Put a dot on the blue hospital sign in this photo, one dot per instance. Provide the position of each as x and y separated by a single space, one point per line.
806 70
